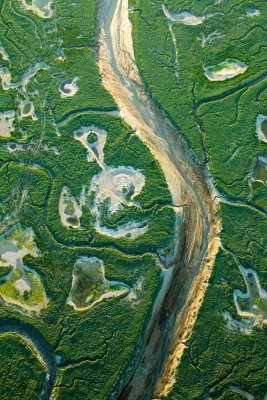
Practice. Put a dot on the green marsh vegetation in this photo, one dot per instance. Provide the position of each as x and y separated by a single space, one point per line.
22 373
218 119
40 157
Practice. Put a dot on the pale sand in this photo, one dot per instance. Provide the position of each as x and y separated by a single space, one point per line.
7 123
260 134
22 286
68 89
42 8
230 68
185 182
66 196
186 18
93 262
26 109
114 185
95 150
254 311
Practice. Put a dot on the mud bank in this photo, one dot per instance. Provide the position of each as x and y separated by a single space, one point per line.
153 371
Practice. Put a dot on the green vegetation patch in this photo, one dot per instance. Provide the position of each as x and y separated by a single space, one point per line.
22 374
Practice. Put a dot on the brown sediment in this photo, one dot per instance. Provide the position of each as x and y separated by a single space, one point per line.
153 370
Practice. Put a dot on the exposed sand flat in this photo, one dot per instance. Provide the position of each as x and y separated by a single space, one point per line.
250 13
130 230
3 53
261 127
7 123
26 109
189 184
244 326
136 292
227 69
94 140
22 286
15 244
92 271
116 187
185 17
260 171
109 191
68 87
42 8
70 210
254 302
21 85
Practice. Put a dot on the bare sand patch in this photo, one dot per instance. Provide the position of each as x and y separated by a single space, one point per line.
184 17
42 8
21 287
244 326
209 38
94 140
20 86
252 304
68 87
70 210
261 127
260 171
26 109
90 286
3 53
7 123
112 188
251 13
227 69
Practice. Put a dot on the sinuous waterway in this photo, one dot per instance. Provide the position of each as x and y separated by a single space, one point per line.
40 347
152 372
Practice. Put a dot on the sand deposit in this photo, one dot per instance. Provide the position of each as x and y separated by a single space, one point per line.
227 69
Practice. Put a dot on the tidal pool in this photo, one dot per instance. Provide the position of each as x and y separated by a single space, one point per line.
26 109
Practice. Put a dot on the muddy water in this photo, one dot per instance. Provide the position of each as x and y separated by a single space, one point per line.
189 184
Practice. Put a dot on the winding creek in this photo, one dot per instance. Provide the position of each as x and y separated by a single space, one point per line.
152 372
40 347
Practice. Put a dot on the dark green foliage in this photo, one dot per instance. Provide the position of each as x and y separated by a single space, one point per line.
21 373
93 347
